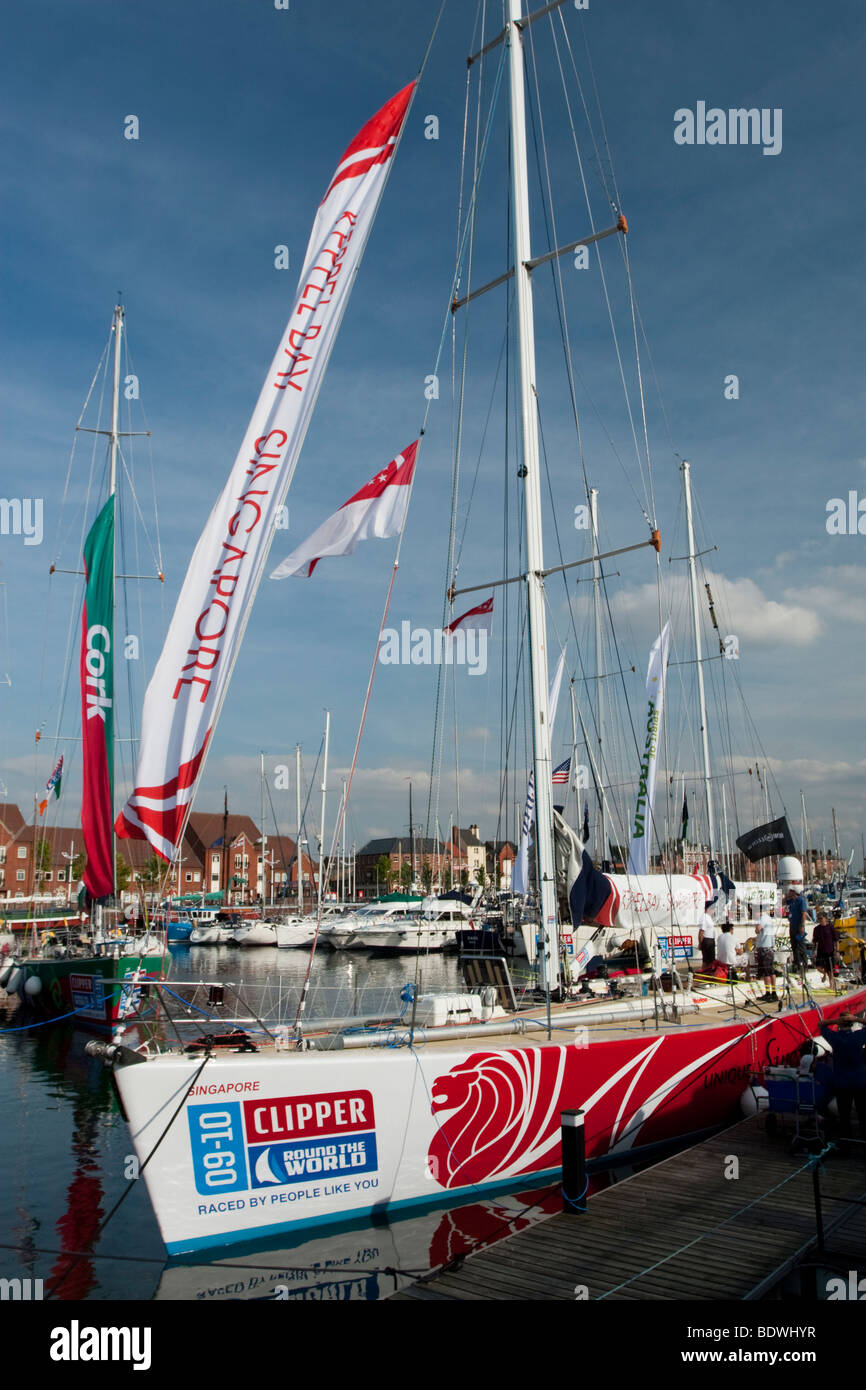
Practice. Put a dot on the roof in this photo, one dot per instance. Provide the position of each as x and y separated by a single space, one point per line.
466 838
205 830
396 845
11 819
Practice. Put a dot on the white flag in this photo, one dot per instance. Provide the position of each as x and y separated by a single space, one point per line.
641 826
520 869
377 509
190 680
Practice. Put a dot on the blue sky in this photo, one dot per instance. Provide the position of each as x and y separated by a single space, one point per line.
742 263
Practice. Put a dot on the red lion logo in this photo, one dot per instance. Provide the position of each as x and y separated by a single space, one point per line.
497 1114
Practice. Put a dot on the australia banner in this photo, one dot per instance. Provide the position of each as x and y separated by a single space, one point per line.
97 705
766 840
189 683
641 825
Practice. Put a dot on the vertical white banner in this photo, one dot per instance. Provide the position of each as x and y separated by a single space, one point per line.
641 826
187 688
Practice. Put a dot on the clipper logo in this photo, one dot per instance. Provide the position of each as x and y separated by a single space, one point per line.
98 646
295 1138
267 1143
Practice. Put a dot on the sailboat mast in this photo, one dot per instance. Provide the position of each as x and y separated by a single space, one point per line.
264 836
532 502
806 853
114 437
324 791
693 579
596 572
298 852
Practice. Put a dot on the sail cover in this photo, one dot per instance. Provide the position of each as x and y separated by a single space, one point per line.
97 705
186 691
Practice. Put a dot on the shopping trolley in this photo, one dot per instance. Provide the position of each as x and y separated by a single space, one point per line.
791 1092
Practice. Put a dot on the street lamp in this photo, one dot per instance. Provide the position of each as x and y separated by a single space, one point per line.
70 856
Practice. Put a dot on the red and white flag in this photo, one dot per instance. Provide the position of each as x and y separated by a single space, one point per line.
187 688
377 509
480 618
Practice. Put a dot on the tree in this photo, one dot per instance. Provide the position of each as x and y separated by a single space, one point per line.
79 864
122 873
464 878
447 877
42 861
152 871
385 870
406 875
426 876
481 875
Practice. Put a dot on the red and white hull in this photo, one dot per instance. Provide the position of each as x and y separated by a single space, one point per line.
277 1142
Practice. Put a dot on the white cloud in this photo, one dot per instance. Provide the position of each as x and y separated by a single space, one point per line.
742 607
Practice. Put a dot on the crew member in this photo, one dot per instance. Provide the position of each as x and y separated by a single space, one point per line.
727 951
824 947
849 1071
797 911
765 958
707 939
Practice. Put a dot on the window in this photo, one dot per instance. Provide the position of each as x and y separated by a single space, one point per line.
20 875
2 854
188 876
237 861
215 861
196 877
22 851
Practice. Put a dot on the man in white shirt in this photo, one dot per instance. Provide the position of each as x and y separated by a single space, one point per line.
707 940
765 958
727 952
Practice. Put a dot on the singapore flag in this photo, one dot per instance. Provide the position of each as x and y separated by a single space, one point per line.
377 509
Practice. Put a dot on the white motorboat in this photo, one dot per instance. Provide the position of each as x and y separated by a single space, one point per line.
255 933
296 932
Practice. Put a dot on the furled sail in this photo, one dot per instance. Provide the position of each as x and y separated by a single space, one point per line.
97 705
642 821
187 688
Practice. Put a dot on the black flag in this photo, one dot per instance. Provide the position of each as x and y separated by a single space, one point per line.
765 840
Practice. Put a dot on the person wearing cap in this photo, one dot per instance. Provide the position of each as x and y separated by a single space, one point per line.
849 1071
707 939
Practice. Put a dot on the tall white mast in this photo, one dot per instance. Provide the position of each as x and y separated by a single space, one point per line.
264 837
114 436
806 854
699 657
343 848
298 851
324 790
532 501
596 571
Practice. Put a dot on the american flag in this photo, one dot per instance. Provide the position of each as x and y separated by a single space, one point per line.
560 774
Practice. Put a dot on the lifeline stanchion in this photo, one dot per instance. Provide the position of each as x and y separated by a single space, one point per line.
574 1182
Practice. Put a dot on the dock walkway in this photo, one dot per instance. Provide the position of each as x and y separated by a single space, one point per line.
679 1230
